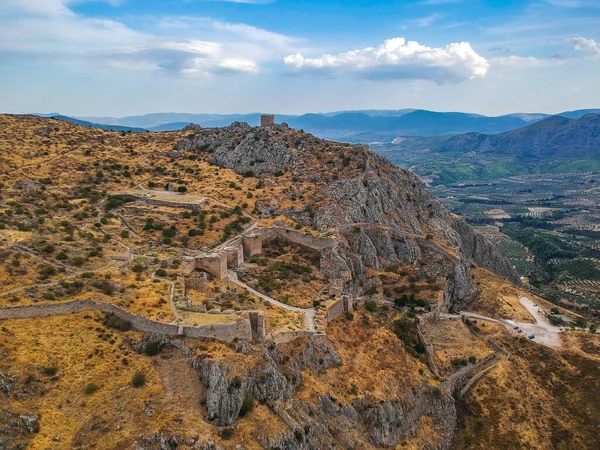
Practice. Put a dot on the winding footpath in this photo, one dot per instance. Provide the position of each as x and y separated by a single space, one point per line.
171 295
309 313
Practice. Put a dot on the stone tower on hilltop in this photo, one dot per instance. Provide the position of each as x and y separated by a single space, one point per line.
267 120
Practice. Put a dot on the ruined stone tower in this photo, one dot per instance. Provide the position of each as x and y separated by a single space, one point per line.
267 120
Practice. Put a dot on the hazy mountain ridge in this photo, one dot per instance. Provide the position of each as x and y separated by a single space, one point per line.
353 126
554 136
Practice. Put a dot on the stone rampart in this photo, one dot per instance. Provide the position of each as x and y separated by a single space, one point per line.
335 310
240 329
157 202
252 244
235 256
197 284
215 264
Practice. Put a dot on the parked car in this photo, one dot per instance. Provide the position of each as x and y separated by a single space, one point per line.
515 328
531 336
519 331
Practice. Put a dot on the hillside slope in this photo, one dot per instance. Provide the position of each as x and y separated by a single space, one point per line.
384 213
549 138
362 379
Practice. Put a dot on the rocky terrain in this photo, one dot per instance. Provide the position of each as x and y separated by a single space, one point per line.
384 213
151 226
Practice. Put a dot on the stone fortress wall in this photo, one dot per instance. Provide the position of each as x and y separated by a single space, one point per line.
339 307
250 329
160 202
247 245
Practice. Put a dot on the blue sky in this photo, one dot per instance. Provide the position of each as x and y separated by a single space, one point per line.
124 57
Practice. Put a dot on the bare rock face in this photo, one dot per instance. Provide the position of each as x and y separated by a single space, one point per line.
192 127
251 151
327 423
383 213
26 185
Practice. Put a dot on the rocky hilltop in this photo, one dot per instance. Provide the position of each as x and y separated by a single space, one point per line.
257 288
383 213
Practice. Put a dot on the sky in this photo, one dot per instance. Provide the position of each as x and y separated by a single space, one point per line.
128 57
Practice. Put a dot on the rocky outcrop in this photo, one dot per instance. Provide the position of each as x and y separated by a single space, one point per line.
482 252
326 423
383 213
251 151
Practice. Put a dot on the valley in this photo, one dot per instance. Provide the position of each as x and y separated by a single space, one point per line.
535 198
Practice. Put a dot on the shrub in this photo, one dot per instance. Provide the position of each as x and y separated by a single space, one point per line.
371 306
125 233
78 261
459 362
48 248
152 348
49 296
419 347
138 380
557 321
116 323
161 273
478 424
472 359
227 433
247 406
49 371
592 328
349 315
90 388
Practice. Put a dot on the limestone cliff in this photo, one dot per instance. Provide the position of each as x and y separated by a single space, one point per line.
321 423
382 213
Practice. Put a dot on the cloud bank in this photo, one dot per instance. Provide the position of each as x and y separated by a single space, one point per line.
48 31
399 59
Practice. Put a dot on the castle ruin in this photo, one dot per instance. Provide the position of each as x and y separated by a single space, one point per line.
267 120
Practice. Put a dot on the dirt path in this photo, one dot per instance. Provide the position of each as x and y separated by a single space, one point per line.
171 295
545 333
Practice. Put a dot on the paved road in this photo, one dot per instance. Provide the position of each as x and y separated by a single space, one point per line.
309 313
545 333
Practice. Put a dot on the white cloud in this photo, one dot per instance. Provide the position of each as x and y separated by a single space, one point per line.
48 30
525 62
588 46
398 59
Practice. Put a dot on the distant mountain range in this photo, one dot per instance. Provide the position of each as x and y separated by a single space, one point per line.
555 136
553 145
353 126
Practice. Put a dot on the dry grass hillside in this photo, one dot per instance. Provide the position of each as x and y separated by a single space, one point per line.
539 398
78 218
